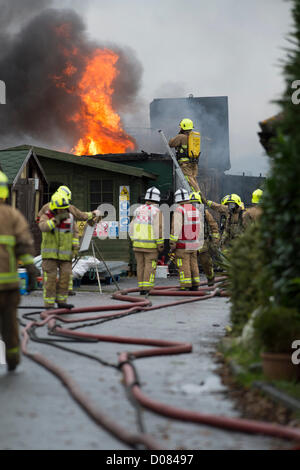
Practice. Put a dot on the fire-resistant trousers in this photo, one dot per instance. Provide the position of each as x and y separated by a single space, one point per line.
146 268
9 329
190 171
207 264
56 291
187 265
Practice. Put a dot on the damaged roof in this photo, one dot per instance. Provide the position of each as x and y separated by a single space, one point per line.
11 160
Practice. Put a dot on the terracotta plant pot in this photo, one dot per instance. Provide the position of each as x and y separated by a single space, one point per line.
279 367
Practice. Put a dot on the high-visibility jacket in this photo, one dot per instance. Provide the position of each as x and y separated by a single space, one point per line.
146 228
16 244
186 228
58 241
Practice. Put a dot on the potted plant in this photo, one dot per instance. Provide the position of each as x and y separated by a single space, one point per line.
276 328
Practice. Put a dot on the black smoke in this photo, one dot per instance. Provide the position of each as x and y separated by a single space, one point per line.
32 64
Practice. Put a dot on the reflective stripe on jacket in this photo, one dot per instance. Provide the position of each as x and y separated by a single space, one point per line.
16 243
57 241
8 242
145 228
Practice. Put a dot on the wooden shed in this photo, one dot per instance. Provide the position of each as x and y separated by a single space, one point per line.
27 182
92 182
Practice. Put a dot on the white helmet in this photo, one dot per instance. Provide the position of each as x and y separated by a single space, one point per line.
181 195
152 194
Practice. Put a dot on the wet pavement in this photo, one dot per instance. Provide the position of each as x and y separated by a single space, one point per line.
37 412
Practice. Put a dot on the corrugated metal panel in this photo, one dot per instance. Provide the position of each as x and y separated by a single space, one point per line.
242 185
210 117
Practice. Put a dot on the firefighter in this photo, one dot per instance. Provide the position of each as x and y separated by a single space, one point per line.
211 238
146 233
185 239
78 214
254 212
59 244
16 245
232 226
90 217
187 145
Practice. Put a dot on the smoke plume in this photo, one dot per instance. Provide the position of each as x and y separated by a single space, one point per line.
42 64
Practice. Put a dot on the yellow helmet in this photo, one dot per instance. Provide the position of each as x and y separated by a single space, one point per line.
4 192
196 197
65 191
256 195
58 201
232 198
186 124
225 199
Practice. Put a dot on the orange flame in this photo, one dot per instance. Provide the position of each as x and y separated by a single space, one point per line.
99 123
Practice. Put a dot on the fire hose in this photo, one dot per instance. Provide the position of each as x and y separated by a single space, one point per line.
125 364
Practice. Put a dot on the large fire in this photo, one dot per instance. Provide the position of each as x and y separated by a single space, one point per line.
99 124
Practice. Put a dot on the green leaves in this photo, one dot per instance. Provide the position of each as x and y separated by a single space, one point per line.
264 263
280 224
276 328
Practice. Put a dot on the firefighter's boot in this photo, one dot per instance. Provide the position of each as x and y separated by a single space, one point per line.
64 305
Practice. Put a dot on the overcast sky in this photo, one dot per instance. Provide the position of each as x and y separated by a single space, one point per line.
207 48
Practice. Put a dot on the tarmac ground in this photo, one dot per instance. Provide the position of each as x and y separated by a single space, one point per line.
37 412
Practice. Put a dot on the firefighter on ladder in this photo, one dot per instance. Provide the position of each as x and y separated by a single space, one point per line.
90 217
146 233
59 244
185 240
16 244
187 145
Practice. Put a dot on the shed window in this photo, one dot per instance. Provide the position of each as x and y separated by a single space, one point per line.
101 191
51 189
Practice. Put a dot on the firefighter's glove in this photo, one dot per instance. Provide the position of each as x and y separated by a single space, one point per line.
97 216
160 248
33 273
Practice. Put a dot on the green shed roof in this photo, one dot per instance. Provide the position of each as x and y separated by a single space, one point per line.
14 157
11 162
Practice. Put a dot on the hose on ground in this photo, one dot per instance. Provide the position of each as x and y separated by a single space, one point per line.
159 348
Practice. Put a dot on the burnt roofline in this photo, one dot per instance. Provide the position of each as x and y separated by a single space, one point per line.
140 156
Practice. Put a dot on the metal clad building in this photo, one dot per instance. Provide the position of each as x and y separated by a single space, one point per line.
210 117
